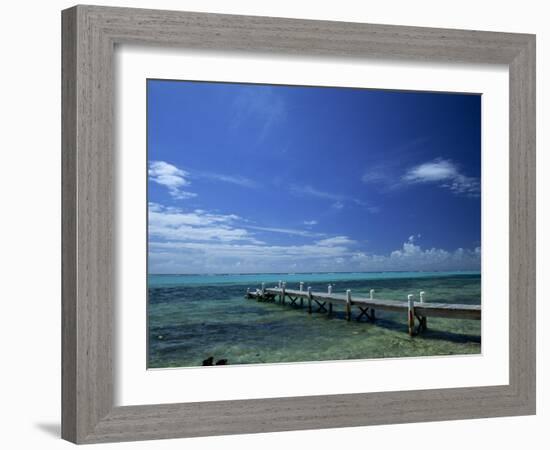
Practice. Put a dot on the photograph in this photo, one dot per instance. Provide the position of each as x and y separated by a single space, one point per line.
299 223
266 225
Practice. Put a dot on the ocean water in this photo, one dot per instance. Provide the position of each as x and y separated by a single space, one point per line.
193 317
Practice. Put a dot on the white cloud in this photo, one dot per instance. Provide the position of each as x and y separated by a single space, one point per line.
310 223
337 205
412 255
203 242
198 225
336 241
332 254
431 171
447 174
171 177
262 251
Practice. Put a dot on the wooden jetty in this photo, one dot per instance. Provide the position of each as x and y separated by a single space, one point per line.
366 306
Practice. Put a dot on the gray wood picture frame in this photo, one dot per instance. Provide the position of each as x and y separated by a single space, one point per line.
90 34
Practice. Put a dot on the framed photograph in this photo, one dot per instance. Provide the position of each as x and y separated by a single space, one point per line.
278 224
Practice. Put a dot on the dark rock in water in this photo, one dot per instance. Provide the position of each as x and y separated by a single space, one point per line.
208 361
221 362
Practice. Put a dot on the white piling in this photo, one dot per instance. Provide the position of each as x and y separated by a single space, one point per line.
301 286
422 296
372 294
330 288
263 289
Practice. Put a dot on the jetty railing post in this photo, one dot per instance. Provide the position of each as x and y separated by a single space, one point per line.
329 290
247 292
263 290
411 314
348 305
301 290
309 299
284 288
280 287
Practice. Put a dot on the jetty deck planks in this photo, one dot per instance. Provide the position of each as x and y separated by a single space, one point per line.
368 305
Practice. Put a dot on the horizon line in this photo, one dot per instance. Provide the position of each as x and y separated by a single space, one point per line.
312 273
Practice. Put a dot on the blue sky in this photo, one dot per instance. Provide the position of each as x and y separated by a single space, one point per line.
259 178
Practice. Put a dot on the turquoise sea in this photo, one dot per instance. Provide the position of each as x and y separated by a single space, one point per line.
193 317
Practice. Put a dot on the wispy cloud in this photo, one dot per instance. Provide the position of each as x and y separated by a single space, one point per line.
289 231
171 177
386 174
260 109
231 179
310 223
338 200
307 190
444 173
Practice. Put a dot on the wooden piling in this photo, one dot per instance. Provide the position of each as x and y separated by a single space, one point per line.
284 289
309 296
348 305
372 311
411 314
423 319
